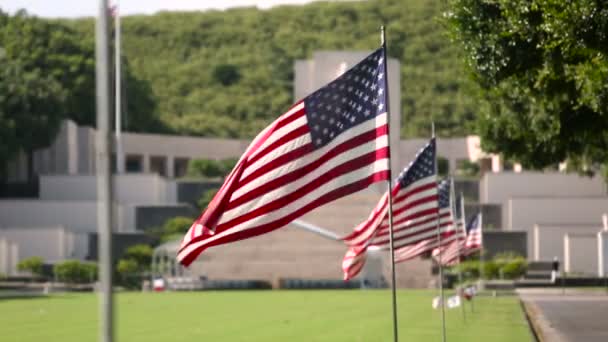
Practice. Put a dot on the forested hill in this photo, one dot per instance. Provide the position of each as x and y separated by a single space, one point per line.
229 73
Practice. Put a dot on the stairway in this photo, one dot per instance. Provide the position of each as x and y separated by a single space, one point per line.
291 252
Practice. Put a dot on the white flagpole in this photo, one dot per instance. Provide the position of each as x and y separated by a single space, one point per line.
441 296
390 192
120 165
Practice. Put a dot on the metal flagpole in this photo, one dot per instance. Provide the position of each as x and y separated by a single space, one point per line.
120 164
441 296
481 253
464 234
102 172
453 201
390 191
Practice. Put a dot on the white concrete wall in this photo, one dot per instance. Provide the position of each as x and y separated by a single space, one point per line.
50 243
547 241
145 189
499 187
182 146
522 214
581 254
76 216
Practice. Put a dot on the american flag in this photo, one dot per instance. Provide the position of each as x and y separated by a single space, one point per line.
452 244
414 213
328 145
446 227
474 240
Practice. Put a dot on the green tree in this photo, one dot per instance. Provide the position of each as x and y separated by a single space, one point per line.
542 70
32 264
57 52
30 110
141 254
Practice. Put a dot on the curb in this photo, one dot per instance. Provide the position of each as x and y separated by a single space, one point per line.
531 312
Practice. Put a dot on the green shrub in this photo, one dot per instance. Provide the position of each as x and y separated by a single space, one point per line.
74 271
490 270
177 225
443 166
32 264
467 168
205 168
210 168
128 273
141 254
469 269
126 266
514 269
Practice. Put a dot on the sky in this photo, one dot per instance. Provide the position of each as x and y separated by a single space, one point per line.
80 8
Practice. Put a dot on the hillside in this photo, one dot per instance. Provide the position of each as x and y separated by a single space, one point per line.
229 73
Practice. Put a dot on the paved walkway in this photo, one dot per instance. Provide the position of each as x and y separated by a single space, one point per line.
573 316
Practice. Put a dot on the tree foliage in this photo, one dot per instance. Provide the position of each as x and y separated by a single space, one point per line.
210 168
30 109
48 75
542 67
230 73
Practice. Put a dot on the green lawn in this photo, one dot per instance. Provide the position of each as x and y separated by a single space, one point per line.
260 316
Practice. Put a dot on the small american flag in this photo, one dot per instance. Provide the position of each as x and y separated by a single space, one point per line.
474 240
446 228
328 145
414 213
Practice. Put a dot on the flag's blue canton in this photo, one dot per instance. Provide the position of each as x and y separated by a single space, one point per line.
356 96
444 194
421 167
473 224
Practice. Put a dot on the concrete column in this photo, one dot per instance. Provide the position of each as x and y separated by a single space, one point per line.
61 247
4 256
605 222
13 257
566 253
601 255
72 147
496 163
145 163
170 167
536 243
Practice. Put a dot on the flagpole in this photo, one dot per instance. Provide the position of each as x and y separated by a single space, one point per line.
120 165
481 252
464 234
102 165
390 191
441 296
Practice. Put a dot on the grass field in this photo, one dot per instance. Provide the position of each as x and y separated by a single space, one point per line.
260 316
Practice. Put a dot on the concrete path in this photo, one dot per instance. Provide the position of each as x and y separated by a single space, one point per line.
573 316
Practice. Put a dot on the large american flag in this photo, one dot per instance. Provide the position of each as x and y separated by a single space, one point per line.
328 145
414 213
446 227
